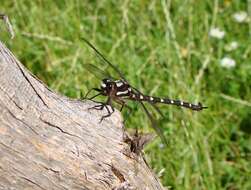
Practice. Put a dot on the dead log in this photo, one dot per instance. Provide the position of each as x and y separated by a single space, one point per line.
48 141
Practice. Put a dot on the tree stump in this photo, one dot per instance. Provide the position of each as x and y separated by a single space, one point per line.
48 141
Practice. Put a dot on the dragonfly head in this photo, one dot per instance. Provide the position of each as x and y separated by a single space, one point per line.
107 84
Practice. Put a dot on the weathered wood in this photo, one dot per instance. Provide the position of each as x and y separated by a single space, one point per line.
48 141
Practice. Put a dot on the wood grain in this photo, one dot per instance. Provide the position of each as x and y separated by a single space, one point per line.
48 141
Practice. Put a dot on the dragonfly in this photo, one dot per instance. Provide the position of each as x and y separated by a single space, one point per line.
120 91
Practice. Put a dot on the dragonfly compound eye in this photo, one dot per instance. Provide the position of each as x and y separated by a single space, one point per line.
106 83
103 85
106 80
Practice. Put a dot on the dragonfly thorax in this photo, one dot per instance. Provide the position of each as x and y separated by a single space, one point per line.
115 87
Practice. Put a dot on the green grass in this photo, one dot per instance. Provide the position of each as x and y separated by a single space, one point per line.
164 49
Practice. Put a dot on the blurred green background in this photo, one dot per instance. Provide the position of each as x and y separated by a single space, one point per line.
183 49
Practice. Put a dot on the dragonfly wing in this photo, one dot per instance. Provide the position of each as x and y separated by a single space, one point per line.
97 71
154 124
103 59
157 109
152 104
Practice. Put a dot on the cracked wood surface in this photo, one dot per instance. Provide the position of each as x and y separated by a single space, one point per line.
48 141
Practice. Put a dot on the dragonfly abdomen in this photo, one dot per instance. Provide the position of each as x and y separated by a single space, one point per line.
196 107
151 99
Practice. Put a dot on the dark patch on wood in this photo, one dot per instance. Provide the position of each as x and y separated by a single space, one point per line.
60 129
118 174
28 80
34 183
25 124
11 99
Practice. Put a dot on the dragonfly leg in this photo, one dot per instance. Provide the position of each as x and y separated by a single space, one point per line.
108 102
122 107
97 107
109 113
96 89
128 114
123 104
101 106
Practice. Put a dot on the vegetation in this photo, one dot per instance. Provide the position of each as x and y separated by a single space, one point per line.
165 48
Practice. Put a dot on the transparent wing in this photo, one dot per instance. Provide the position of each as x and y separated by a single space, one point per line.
154 124
152 104
157 109
106 62
97 72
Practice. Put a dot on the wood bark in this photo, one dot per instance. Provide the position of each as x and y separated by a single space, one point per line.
48 141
